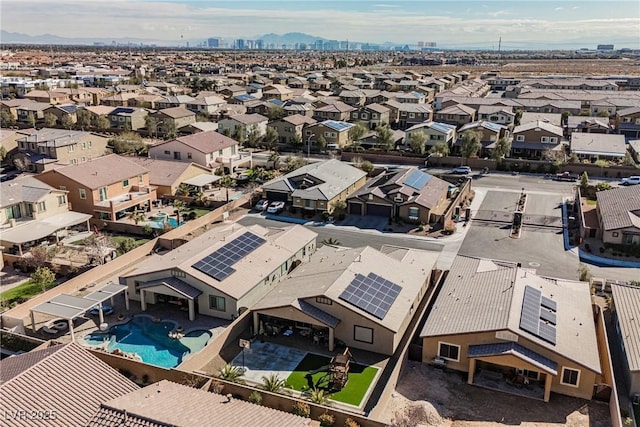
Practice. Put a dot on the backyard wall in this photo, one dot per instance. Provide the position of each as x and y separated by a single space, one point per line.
607 368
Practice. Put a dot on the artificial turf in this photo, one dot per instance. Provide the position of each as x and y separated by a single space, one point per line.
360 378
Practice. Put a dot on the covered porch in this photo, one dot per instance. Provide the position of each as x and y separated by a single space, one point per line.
170 290
300 320
511 368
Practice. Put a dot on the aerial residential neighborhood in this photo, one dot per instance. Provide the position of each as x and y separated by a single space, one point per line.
288 230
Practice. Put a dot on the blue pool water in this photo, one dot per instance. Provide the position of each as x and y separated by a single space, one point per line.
150 341
160 224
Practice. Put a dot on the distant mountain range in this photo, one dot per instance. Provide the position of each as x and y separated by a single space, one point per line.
288 38
20 38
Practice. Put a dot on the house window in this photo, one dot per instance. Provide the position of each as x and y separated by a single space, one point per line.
103 193
176 155
83 193
178 273
520 138
615 234
219 152
217 303
374 115
167 152
553 139
83 159
362 334
544 139
189 156
570 377
324 300
71 148
42 207
412 115
83 145
449 351
140 180
414 213
62 200
125 183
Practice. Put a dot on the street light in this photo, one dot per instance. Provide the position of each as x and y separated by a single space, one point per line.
309 145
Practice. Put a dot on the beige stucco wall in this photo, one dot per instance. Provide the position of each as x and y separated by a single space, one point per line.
616 236
587 377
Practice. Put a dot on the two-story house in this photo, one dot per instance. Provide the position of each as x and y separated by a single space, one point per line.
173 119
277 91
291 127
532 139
373 115
335 133
107 187
412 114
241 125
497 114
174 102
128 118
206 105
31 112
628 122
338 111
63 113
44 148
435 132
210 149
458 115
489 133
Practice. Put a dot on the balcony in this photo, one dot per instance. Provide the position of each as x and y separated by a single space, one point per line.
123 201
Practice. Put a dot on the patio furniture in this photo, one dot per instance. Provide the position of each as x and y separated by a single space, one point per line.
287 333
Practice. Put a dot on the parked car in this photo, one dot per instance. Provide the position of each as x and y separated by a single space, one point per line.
275 207
461 170
106 310
632 180
262 205
565 176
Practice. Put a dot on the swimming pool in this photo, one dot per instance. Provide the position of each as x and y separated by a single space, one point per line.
159 224
150 341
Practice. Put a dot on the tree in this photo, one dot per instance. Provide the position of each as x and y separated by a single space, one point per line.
517 118
179 207
440 148
67 122
3 154
339 208
40 257
628 159
275 113
470 144
136 216
502 149
202 117
169 129
293 163
321 142
43 277
601 163
318 396
584 274
6 118
385 137
227 182
232 373
274 384
271 138
31 119
604 113
330 242
151 123
253 137
417 141
125 245
83 119
584 181
103 123
128 143
183 190
367 166
50 120
275 158
564 118
296 140
356 133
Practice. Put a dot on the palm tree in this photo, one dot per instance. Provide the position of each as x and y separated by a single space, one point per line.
330 242
136 216
179 207
232 373
318 396
274 384
227 182
183 190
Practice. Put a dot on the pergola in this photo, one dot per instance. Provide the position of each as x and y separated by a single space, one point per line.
69 307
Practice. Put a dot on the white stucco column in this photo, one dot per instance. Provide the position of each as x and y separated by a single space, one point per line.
331 339
256 323
192 310
126 299
547 387
472 370
73 336
143 302
100 314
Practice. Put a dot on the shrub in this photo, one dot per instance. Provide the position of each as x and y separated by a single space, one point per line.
255 398
302 409
350 423
191 215
540 168
326 420
601 250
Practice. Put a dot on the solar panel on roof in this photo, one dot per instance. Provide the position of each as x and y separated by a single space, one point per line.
417 180
218 263
549 316
549 303
371 293
537 316
547 332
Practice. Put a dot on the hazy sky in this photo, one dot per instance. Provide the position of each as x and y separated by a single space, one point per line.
475 23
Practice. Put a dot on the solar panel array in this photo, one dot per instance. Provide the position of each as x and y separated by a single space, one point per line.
339 126
538 315
218 263
371 293
417 180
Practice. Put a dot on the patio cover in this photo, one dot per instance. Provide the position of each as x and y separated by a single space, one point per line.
38 229
177 285
316 313
202 179
105 293
513 349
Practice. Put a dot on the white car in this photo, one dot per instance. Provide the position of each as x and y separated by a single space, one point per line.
275 207
462 170
632 180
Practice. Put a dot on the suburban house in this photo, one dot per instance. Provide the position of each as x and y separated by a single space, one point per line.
409 194
241 125
502 323
155 406
107 187
490 133
31 111
31 210
628 122
209 149
223 272
44 148
338 111
435 132
458 115
625 307
47 97
363 297
497 114
412 114
618 212
167 175
588 124
372 115
291 127
60 380
277 91
121 99
129 118
206 105
9 142
62 113
596 146
175 101
531 140
173 119
336 134
316 186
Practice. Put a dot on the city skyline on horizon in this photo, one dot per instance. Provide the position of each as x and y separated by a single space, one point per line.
469 24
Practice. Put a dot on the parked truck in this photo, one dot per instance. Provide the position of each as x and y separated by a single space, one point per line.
565 176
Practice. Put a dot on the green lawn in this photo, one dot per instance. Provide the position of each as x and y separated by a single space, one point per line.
20 293
199 212
592 202
360 378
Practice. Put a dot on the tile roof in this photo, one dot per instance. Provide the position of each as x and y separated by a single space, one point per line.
298 119
49 137
337 107
626 299
249 119
66 379
176 112
205 142
166 403
618 205
539 125
27 189
165 172
459 109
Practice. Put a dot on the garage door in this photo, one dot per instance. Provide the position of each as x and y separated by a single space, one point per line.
355 208
276 196
379 210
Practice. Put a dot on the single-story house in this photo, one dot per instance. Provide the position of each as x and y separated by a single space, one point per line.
596 146
626 312
618 212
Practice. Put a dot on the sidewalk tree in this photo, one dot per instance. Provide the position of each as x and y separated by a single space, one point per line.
584 181
440 148
470 144
356 133
502 149
417 141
